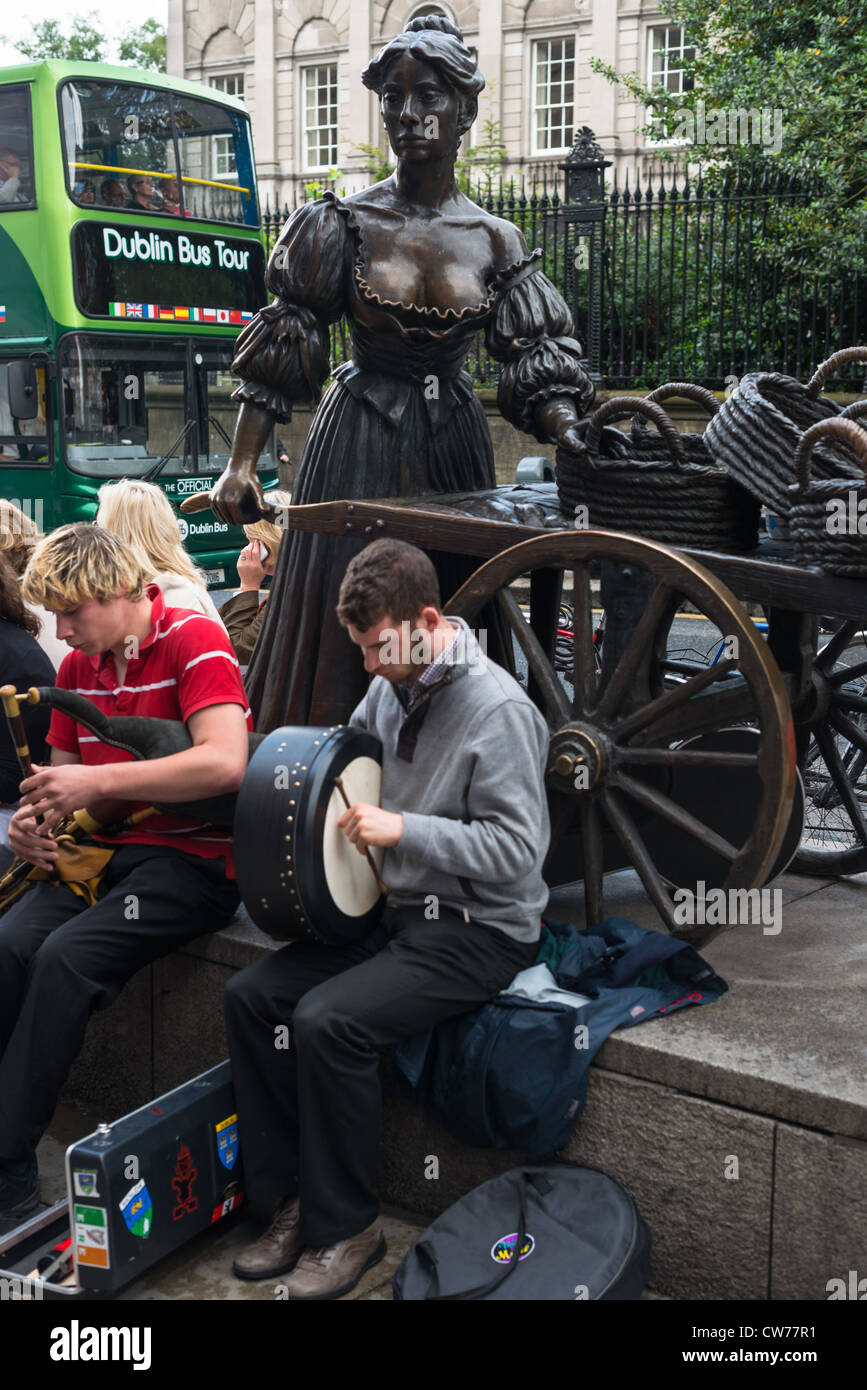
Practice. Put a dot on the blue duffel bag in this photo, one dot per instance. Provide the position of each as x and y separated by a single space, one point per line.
551 1231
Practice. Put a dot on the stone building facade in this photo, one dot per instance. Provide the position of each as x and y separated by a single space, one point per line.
297 65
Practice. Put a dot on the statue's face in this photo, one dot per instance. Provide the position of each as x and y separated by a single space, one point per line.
420 111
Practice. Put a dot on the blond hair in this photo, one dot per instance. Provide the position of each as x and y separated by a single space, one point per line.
79 562
142 516
18 535
267 531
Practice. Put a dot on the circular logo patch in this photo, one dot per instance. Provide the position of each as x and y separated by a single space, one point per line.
501 1250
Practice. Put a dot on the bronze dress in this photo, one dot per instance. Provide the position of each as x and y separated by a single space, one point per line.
400 419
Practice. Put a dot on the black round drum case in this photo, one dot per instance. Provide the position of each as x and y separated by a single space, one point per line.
298 875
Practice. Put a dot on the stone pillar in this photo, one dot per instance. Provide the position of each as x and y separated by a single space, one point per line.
175 39
602 43
490 55
266 114
360 36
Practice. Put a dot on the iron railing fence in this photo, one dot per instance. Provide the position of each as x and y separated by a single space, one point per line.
676 279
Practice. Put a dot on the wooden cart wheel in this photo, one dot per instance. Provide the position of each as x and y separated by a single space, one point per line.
614 754
835 761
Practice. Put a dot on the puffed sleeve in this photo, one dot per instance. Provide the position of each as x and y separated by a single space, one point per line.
283 354
531 332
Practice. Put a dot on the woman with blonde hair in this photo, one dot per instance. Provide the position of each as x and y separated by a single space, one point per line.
18 535
243 613
142 516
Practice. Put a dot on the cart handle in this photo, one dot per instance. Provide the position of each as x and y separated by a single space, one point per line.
828 368
689 390
847 430
620 408
853 411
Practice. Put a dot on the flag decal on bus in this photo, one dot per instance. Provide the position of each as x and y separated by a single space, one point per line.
176 313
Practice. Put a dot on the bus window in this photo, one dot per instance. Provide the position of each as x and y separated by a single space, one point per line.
215 360
216 161
124 406
16 149
22 441
120 151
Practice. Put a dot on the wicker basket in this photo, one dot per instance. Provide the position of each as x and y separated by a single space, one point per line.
657 490
756 433
824 515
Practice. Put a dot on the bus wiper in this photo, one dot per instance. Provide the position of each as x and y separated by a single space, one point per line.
161 463
217 426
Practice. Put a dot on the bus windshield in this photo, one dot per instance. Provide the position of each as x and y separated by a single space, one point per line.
134 407
150 150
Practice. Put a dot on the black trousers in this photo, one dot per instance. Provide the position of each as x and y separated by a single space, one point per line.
60 960
305 1025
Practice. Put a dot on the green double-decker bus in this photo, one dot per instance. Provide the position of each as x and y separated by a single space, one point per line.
131 256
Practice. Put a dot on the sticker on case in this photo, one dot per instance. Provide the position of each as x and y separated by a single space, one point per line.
137 1210
91 1236
227 1141
84 1182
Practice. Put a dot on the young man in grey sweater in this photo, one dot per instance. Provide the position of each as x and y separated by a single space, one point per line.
464 825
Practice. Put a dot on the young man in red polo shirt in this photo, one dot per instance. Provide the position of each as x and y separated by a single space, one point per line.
170 879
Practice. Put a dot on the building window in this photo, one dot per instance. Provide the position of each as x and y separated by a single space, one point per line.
554 95
319 119
667 54
223 146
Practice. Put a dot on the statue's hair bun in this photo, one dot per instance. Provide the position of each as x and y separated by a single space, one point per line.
434 21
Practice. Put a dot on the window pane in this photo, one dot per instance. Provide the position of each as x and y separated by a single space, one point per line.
215 149
118 145
17 189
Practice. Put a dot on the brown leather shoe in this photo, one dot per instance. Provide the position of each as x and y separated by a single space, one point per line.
334 1270
276 1251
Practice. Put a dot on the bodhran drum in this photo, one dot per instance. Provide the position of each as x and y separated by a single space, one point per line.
298 875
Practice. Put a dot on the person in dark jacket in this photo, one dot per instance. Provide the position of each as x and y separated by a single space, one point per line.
244 612
22 663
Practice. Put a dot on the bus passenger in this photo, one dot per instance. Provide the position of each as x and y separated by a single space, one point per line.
141 515
10 177
112 194
171 196
141 188
88 193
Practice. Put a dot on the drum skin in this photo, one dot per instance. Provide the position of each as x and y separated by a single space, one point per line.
295 871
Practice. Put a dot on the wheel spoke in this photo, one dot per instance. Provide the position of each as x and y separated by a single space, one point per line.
670 811
858 702
849 729
583 660
835 645
637 648
591 843
848 673
672 699
834 764
553 694
626 829
684 757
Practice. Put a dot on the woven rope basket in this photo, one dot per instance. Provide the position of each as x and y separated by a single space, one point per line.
825 515
664 486
757 432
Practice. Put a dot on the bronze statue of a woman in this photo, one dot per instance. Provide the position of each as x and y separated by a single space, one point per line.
417 269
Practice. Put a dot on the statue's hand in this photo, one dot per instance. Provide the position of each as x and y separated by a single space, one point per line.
237 497
558 418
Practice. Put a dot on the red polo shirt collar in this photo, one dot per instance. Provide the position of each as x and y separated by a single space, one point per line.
158 612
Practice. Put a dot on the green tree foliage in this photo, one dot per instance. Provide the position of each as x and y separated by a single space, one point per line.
84 41
806 59
377 163
144 47
483 163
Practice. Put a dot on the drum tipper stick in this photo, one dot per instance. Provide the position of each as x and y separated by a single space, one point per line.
338 782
